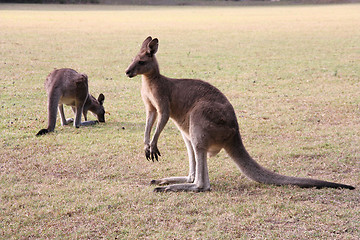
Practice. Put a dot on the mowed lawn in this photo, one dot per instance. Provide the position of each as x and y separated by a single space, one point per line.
292 74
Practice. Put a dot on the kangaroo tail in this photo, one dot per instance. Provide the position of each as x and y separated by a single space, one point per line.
254 171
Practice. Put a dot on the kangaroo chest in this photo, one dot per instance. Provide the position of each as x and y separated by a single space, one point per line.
152 95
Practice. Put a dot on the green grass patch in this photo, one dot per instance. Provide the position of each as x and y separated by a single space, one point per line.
291 72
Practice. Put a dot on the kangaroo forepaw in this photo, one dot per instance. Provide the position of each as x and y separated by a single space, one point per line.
147 152
155 154
42 132
152 153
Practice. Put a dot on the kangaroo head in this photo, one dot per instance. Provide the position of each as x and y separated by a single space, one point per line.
100 110
96 107
145 61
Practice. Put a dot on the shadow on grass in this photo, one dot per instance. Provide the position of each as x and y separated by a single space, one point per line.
236 186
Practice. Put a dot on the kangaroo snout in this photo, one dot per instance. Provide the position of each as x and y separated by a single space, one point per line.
130 73
101 118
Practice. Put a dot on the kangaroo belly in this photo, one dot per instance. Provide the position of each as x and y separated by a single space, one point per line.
183 126
67 101
213 150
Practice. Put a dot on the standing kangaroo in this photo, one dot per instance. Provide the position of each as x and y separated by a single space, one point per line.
207 123
66 86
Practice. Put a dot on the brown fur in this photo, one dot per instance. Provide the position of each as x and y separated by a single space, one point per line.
66 86
207 122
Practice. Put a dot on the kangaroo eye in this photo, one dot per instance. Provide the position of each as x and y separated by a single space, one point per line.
141 62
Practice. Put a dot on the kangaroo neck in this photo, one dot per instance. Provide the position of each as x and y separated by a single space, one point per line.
153 77
154 73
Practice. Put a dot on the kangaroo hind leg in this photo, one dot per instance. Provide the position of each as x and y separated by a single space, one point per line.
53 100
88 123
192 165
201 182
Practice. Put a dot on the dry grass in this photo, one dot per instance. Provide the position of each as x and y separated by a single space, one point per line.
292 74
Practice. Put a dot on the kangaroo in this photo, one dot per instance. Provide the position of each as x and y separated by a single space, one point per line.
207 123
66 86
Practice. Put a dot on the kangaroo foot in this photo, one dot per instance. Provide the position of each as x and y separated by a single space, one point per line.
171 180
88 123
69 120
189 187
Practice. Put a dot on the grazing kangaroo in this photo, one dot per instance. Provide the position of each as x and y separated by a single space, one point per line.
207 123
66 86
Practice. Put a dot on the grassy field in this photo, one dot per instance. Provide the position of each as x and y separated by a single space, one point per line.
292 74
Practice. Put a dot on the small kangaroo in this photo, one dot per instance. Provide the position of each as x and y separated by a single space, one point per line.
66 86
207 123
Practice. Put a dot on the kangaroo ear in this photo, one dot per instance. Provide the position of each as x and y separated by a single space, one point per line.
84 75
101 99
146 42
153 46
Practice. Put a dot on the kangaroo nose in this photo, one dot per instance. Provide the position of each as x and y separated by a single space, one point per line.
130 73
